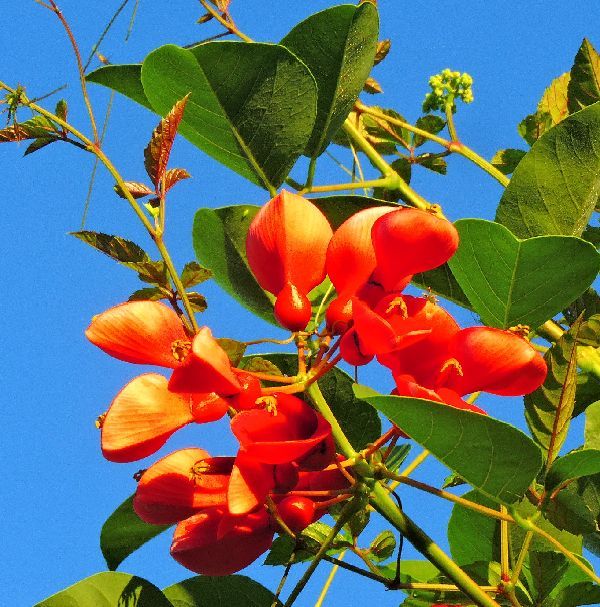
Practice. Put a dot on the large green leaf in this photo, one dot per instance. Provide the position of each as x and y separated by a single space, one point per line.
206 591
441 281
592 426
108 589
220 243
549 408
576 464
555 187
124 532
338 45
490 455
359 421
584 87
125 79
583 593
252 106
570 510
473 536
511 281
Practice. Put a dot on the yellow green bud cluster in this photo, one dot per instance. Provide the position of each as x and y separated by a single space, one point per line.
446 87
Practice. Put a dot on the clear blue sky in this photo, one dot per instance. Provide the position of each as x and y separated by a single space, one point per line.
57 489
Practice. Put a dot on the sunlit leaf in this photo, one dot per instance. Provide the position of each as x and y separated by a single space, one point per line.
576 464
584 87
506 161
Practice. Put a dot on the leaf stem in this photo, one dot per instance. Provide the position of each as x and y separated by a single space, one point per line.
329 581
450 119
504 548
521 558
228 25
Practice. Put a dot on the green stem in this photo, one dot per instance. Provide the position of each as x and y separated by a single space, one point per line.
310 177
345 515
375 157
482 163
450 119
328 582
521 558
383 182
383 503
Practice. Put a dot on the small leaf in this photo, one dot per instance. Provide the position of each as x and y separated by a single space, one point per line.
36 127
433 163
197 301
372 87
150 293
38 144
108 589
510 281
587 304
258 364
383 546
118 248
154 272
569 511
584 87
174 176
453 480
555 187
338 46
136 189
124 532
62 110
234 349
382 50
548 410
379 128
156 154
193 274
506 161
554 100
397 456
573 465
430 123
490 455
338 209
206 591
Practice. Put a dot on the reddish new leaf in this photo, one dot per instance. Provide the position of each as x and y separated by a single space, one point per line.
156 155
137 190
173 176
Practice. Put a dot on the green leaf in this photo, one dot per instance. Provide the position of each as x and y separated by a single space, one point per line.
124 532
491 455
510 281
588 304
227 591
411 571
125 79
532 127
338 45
39 144
554 100
555 187
573 465
197 301
235 349
220 243
592 426
506 161
586 393
584 87
193 274
252 106
592 234
383 546
154 272
118 248
473 536
34 128
430 123
569 511
543 572
433 163
150 293
548 410
583 593
109 589
359 421
396 457
441 281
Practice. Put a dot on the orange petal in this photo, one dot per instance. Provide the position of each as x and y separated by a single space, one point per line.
142 417
140 332
207 368
249 484
287 242
176 487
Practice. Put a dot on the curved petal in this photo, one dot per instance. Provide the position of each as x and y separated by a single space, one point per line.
142 417
198 546
495 361
351 256
409 241
140 332
250 484
206 368
287 242
375 334
282 434
180 484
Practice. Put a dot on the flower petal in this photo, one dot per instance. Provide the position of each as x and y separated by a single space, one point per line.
140 332
249 484
180 484
142 417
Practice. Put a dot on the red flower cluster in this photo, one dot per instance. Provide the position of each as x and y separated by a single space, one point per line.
218 502
286 472
370 259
